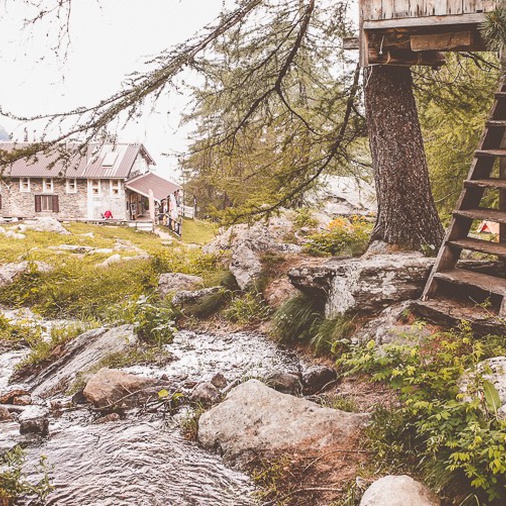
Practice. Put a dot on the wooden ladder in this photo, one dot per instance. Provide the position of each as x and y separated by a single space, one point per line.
445 275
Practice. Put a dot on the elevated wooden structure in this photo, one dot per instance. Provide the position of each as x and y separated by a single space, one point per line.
417 32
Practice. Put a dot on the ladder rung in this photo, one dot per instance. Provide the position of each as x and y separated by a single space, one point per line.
489 247
482 214
490 152
496 123
484 282
486 183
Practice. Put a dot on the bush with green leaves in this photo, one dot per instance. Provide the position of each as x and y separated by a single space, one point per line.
16 335
456 441
344 237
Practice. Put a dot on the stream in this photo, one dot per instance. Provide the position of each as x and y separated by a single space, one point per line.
144 459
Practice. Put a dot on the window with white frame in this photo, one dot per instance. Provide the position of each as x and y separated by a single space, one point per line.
71 186
115 187
95 186
24 184
47 185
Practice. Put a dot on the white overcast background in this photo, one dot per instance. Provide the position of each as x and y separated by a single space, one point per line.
108 40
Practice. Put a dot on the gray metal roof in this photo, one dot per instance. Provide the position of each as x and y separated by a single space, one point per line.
161 187
64 160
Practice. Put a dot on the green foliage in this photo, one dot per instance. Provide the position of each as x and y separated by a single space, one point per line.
208 305
459 439
44 351
247 308
297 319
154 323
14 485
304 218
301 319
453 105
493 29
16 335
343 238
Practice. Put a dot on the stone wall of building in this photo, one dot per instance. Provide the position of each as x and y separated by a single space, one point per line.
21 204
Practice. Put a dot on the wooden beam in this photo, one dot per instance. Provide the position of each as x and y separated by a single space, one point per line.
431 21
450 41
405 58
350 43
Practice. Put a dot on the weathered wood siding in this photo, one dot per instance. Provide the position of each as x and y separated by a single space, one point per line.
389 9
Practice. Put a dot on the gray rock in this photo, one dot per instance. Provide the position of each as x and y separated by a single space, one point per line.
205 393
34 419
192 297
246 245
73 248
366 284
110 387
219 381
9 272
316 378
176 281
255 418
494 371
399 491
81 354
279 291
46 224
387 328
285 382
113 259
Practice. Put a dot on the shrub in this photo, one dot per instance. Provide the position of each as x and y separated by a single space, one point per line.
460 441
343 238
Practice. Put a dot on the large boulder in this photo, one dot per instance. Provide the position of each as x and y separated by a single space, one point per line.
110 387
255 419
9 272
45 224
367 284
80 355
399 491
176 281
246 245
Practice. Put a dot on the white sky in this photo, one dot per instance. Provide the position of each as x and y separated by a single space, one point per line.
109 39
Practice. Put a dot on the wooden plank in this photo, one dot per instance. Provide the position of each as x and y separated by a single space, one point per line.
365 10
486 183
482 214
387 9
449 41
489 284
402 8
432 21
489 5
490 152
472 6
429 7
496 123
441 8
454 7
489 247
376 9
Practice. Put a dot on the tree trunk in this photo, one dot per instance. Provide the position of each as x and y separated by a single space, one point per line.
407 214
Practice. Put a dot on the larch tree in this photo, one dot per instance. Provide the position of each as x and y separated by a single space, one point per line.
275 40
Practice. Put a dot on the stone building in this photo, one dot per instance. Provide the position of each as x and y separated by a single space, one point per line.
70 185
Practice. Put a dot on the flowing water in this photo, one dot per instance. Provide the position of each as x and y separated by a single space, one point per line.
143 460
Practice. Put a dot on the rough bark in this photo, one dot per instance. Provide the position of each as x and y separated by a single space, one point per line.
407 214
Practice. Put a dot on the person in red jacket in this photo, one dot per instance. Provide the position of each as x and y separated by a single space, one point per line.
108 215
